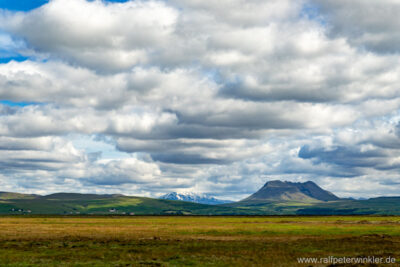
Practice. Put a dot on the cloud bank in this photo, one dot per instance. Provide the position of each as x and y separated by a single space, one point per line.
146 97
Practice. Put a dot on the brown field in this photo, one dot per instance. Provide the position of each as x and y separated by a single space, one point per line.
193 241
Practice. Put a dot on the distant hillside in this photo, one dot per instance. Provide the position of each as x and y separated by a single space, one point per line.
91 204
274 198
7 195
195 198
288 191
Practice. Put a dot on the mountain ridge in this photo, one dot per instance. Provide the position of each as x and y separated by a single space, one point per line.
195 198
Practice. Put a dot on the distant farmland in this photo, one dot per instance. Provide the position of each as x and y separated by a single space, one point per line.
195 241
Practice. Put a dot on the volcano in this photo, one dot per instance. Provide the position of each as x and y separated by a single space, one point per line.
288 191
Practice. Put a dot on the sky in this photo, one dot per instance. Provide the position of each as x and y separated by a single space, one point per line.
149 97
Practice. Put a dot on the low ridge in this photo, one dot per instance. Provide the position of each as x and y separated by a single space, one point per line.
9 195
289 191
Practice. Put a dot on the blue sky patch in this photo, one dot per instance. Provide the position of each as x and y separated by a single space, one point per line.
21 5
4 60
311 12
17 104
27 5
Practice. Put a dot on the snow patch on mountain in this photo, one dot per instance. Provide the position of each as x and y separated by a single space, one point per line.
193 197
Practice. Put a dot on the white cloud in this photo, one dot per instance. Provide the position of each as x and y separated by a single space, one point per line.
372 25
207 96
107 37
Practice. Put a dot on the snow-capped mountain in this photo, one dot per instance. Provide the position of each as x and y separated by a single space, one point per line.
196 198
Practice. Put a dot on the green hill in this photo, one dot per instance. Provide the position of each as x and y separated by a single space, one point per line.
7 195
274 198
68 203
374 206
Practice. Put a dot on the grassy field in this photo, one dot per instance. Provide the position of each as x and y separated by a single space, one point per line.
193 241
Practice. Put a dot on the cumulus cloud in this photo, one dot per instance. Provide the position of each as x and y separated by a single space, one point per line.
107 36
213 97
18 155
373 25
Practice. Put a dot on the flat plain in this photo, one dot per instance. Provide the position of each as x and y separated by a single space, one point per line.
193 241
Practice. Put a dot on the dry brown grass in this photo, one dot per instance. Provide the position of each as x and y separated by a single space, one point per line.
202 241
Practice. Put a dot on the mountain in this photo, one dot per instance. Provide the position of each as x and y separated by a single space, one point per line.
196 198
288 191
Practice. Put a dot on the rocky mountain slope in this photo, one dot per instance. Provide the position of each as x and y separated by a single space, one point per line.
288 191
196 198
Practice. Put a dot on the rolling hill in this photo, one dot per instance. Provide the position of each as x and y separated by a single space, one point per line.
274 198
90 204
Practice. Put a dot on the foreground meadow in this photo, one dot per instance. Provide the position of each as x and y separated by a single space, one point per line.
195 241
